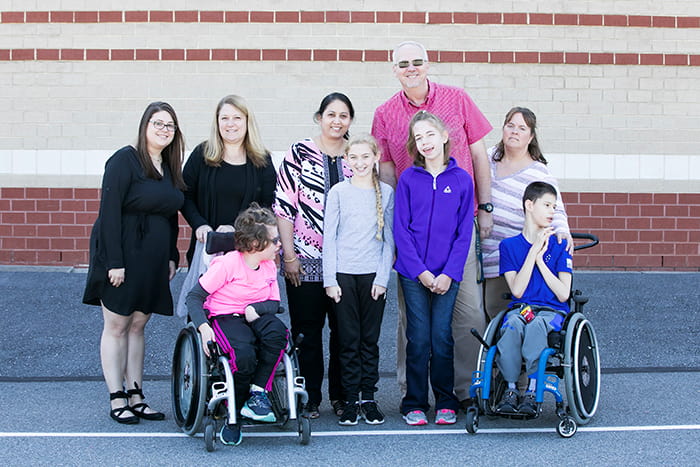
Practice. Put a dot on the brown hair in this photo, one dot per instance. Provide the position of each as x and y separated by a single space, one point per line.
251 228
214 146
411 146
374 147
531 121
172 154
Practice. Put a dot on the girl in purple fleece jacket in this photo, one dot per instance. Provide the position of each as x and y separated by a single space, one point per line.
433 218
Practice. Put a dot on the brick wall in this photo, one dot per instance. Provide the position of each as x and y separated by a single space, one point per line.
639 231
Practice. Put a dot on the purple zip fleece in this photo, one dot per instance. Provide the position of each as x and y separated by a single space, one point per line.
433 221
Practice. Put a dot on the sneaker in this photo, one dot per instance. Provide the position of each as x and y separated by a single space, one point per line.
445 417
350 414
371 413
231 435
509 402
528 406
258 408
338 407
416 418
312 410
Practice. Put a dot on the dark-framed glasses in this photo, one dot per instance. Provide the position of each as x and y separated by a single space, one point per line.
161 125
415 62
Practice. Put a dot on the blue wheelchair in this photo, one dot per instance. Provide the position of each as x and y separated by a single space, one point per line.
571 360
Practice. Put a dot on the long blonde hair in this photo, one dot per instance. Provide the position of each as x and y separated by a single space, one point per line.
374 147
255 150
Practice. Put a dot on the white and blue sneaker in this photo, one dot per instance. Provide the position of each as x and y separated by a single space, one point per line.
231 435
258 408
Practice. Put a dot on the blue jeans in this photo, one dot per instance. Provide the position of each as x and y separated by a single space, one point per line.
429 347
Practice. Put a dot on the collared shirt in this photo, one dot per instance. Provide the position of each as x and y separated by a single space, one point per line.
464 121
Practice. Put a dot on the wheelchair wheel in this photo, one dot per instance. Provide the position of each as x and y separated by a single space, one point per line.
279 397
497 384
304 426
189 381
582 369
472 420
210 435
566 427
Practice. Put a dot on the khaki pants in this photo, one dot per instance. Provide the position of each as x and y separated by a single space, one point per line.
468 313
495 303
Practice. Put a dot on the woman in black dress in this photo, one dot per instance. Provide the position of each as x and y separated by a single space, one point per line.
133 253
227 172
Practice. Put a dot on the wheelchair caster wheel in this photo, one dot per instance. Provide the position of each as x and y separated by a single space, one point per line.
566 427
472 420
210 436
304 430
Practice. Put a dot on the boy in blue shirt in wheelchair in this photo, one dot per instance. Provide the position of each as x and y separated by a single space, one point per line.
538 270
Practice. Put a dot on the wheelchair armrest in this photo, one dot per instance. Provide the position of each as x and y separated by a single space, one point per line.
578 297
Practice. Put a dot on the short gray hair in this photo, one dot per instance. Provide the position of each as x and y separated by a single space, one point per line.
412 43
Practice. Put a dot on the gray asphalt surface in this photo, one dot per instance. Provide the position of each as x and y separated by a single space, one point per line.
50 382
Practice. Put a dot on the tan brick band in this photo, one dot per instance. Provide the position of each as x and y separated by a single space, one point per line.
347 55
396 17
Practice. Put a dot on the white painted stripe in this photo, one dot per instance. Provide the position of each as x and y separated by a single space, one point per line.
416 432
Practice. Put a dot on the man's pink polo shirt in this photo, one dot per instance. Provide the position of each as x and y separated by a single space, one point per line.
465 124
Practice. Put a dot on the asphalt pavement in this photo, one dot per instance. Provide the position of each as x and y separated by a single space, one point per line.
55 405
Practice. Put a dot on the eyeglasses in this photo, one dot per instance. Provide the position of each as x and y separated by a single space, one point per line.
415 62
160 125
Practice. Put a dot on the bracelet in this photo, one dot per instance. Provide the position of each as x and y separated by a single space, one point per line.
289 260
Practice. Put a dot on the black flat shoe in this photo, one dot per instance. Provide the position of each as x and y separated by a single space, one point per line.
140 409
116 413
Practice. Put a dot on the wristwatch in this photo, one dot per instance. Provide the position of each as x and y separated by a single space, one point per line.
488 207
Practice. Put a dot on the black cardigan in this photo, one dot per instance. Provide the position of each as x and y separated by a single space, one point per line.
201 202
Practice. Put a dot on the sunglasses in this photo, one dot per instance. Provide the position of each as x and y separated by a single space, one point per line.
416 62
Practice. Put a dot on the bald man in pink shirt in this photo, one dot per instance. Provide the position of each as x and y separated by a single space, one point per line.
467 127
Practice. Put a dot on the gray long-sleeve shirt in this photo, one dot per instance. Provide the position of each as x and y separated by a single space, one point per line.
350 243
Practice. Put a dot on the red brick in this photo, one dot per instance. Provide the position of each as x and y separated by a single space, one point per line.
541 18
377 56
337 16
38 243
303 55
48 231
626 59
676 59
61 193
693 261
663 248
689 198
172 54
651 59
211 16
362 17
598 261
36 218
197 54
73 231
86 17
651 236
638 223
5 54
527 57
286 17
73 258
579 58
688 22
92 205
22 54
627 210
476 57
388 16
223 54
13 17
351 55
638 248
663 223
72 205
570 198
663 21
157 16
14 243
672 261
501 57
36 17
96 54
262 16
694 211
435 17
274 54
665 198
147 54
626 236
590 20
601 210
688 223
651 210
676 211
640 21
565 19
136 16
25 257
61 16
248 54
122 54
675 236
552 57
72 54
21 231
615 20
413 17
325 55
617 198
13 217
59 218
449 56
433 55
47 54
591 198
23 205
589 223
514 18
464 18
12 193
237 16
48 257
85 218
110 16
189 16
313 17
602 58
62 243
650 261
45 205
613 248
489 18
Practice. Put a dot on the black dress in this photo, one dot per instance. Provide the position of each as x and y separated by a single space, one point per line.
137 230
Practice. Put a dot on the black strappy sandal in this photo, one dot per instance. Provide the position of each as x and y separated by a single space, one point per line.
116 413
140 409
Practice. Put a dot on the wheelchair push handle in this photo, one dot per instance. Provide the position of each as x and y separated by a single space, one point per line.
476 334
593 240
